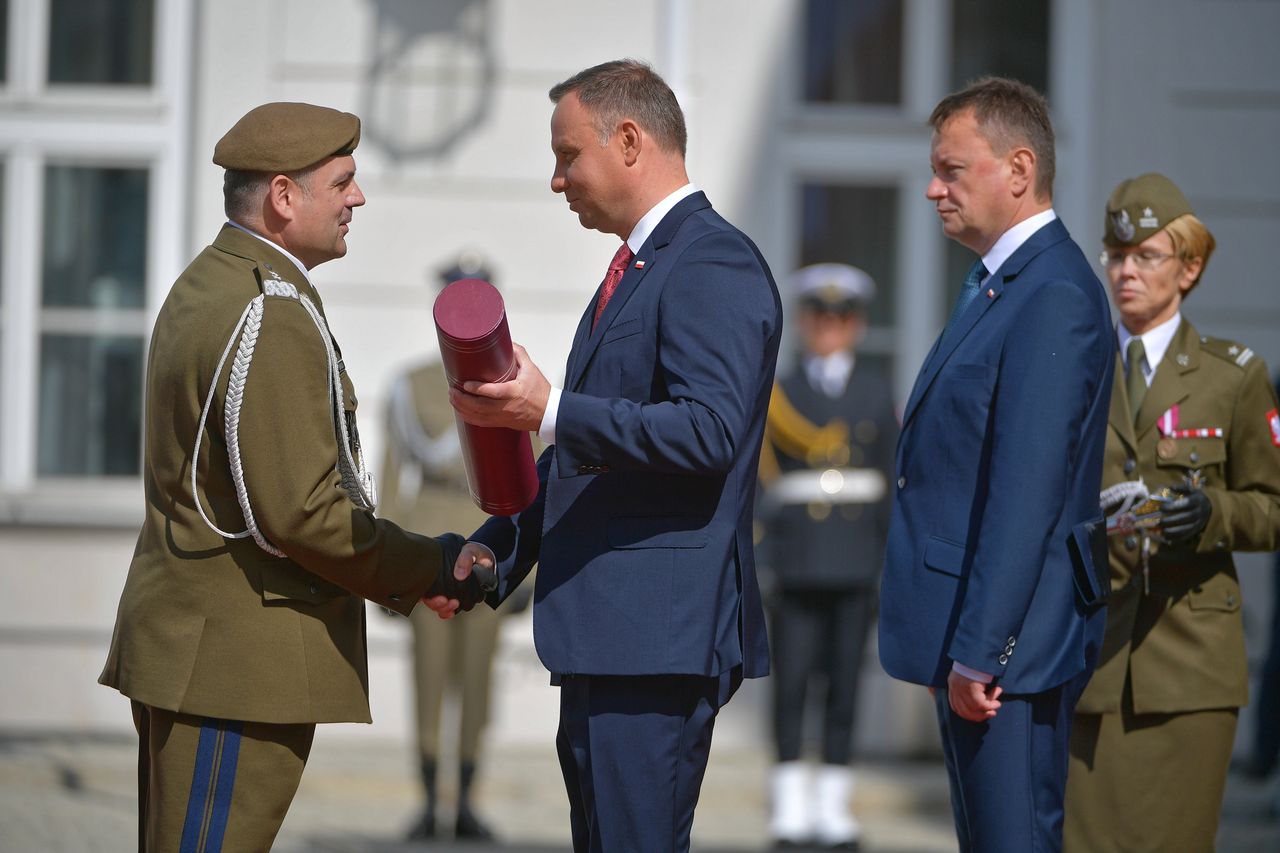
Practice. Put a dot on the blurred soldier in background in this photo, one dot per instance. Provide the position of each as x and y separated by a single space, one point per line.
424 483
827 456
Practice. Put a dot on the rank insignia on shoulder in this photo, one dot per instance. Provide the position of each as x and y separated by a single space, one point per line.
279 287
1244 357
1273 422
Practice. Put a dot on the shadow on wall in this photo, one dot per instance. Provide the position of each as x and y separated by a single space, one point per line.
431 75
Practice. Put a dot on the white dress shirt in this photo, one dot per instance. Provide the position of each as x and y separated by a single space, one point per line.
1155 342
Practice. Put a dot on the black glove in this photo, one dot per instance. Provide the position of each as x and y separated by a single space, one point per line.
1183 519
468 592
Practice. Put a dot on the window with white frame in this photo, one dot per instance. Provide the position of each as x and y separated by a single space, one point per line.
93 94
865 79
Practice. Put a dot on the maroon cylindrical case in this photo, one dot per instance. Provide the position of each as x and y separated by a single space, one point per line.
475 344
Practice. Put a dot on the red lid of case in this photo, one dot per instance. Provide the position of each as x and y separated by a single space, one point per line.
469 312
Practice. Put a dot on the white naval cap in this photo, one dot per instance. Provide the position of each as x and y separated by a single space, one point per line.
833 287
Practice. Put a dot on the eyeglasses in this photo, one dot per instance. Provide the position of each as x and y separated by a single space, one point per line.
1142 260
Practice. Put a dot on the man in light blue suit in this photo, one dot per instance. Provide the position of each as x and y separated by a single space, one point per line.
996 562
646 607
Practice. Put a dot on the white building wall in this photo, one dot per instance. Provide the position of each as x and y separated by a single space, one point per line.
455 155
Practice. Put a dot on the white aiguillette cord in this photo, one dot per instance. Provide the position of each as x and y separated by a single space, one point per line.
357 482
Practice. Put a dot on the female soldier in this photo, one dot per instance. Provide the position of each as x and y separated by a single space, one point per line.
1194 420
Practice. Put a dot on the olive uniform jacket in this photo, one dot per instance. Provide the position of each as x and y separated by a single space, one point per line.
1181 647
424 480
219 627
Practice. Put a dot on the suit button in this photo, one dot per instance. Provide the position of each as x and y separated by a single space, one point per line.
1131 542
1231 601
1194 457
1012 641
1130 465
313 589
902 482
395 596
1004 659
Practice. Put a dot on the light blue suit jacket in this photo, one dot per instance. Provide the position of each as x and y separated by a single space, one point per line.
642 525
996 555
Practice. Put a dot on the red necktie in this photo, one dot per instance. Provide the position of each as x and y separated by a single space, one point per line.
621 259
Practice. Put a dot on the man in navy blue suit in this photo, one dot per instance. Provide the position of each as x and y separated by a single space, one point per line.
996 561
646 607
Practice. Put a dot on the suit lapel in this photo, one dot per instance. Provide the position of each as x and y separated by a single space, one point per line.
1119 416
587 339
1170 386
990 291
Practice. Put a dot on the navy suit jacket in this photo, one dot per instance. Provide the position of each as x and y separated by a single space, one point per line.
997 554
642 524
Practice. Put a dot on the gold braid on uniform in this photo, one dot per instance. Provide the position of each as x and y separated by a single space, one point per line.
797 436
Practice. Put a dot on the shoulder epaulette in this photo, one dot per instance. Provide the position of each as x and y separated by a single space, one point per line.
273 285
1238 354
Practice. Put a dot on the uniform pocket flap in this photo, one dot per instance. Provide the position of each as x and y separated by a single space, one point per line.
655 531
944 556
285 581
1223 597
1090 563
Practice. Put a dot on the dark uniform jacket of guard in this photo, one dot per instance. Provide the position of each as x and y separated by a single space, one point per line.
1181 647
821 545
218 627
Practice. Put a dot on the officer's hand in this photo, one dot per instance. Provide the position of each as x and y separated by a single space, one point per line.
1183 518
462 581
972 700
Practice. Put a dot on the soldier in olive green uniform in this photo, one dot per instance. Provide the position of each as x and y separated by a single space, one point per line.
1194 419
424 484
241 624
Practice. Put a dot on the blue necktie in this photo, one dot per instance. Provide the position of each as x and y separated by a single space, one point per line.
968 292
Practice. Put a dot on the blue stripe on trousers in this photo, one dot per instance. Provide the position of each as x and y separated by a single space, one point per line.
212 781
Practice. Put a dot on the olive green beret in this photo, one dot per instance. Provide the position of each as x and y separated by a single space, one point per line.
1140 207
285 137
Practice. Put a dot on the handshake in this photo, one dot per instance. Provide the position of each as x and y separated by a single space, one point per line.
449 594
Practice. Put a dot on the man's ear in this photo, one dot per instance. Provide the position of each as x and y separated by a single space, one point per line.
1022 170
631 139
282 195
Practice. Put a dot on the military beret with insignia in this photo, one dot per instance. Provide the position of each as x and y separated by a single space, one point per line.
838 288
1140 207
286 137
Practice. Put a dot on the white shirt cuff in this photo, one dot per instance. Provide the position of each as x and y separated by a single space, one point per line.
487 550
971 674
547 429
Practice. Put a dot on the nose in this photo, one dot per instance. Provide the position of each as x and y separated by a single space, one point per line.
935 189
558 182
356 197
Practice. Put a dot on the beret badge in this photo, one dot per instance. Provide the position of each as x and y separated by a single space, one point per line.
1122 226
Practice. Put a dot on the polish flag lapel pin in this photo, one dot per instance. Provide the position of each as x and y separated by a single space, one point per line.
639 265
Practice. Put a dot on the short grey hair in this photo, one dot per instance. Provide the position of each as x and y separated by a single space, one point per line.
242 190
628 88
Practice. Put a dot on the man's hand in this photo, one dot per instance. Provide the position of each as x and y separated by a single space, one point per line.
1184 518
518 403
458 587
972 700
466 574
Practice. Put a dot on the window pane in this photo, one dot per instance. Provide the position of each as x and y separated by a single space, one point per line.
852 224
100 41
1002 38
853 51
90 405
95 237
